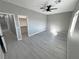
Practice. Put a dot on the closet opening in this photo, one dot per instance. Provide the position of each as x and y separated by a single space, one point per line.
23 26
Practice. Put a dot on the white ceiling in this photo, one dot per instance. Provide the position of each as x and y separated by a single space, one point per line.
64 6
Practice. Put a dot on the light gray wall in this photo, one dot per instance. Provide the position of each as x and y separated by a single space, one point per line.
37 21
73 41
61 21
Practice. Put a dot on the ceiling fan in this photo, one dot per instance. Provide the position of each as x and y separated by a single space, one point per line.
49 7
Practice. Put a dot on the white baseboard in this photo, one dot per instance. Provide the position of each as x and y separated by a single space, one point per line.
36 33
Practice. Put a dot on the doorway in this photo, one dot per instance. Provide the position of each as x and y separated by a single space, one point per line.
7 28
23 26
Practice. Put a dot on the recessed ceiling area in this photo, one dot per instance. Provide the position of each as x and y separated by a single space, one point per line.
63 6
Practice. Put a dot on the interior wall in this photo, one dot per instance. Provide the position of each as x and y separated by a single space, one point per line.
36 21
37 24
73 41
59 22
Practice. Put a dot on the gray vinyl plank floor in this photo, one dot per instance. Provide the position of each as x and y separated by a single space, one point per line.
41 46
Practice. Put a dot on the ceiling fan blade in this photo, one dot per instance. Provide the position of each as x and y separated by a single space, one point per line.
42 8
53 8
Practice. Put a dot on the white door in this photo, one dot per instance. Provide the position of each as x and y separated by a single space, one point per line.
3 40
18 30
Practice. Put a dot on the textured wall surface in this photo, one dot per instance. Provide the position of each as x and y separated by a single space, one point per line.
60 22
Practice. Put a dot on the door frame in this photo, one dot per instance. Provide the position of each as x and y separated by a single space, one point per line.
14 16
74 21
6 21
27 24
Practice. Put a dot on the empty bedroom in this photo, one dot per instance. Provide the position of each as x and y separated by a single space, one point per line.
39 29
